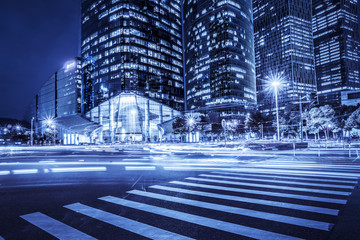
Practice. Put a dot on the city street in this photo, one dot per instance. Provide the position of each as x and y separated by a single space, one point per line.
178 191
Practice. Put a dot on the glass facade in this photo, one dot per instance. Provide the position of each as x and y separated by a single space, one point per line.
283 46
129 117
219 56
59 96
336 41
132 46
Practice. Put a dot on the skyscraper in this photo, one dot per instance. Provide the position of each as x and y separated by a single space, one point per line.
132 46
283 46
219 56
59 97
336 42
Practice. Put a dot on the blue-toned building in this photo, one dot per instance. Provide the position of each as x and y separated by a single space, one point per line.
337 48
283 47
60 95
132 67
219 56
59 99
132 46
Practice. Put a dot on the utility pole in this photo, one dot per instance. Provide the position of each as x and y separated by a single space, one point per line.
31 131
301 121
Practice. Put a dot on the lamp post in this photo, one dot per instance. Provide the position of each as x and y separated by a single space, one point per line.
191 122
54 133
31 132
276 84
132 129
223 124
50 125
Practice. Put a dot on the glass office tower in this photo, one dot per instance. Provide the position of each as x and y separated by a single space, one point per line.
60 95
283 46
132 46
336 42
219 56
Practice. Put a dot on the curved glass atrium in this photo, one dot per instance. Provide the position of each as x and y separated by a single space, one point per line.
128 117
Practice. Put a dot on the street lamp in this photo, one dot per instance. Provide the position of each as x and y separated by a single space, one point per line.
50 124
132 129
31 132
275 82
276 85
54 133
190 122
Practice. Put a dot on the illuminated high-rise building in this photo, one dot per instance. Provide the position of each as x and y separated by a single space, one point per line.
283 46
337 48
132 67
219 56
132 46
58 100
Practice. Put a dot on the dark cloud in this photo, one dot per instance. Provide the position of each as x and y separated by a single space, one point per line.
37 38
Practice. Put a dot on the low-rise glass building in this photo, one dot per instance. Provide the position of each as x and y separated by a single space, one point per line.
128 117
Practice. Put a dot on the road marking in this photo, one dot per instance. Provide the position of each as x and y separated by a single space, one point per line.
4 172
259 192
125 223
240 211
25 171
251 200
54 227
146 168
298 189
195 219
287 177
78 169
279 181
176 168
257 169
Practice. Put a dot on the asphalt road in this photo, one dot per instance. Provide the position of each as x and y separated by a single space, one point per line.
177 192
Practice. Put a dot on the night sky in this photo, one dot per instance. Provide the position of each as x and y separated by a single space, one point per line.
36 38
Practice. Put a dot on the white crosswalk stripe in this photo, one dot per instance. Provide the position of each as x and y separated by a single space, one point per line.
125 223
263 192
54 227
298 189
287 177
258 168
263 202
280 181
251 200
241 211
199 220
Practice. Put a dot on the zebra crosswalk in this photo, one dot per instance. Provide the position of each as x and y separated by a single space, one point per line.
216 205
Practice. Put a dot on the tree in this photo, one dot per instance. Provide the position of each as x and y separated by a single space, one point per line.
342 114
289 121
255 122
179 126
353 121
319 119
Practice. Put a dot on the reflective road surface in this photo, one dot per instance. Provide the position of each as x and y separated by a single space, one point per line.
177 192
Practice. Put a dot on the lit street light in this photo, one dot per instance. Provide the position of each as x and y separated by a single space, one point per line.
190 122
276 84
275 81
50 124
